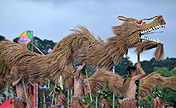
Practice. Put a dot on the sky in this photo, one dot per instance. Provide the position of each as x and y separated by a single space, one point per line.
53 19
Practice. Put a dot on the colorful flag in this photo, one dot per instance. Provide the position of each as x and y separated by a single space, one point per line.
26 38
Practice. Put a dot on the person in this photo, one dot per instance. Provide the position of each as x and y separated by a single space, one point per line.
20 99
58 92
157 98
158 102
80 89
129 86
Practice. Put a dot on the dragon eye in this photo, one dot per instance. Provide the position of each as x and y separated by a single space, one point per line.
140 22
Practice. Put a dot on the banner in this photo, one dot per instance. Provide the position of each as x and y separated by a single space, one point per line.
26 38
35 96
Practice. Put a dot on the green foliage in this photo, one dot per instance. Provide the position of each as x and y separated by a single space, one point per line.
93 104
157 91
164 71
16 40
2 37
169 96
145 103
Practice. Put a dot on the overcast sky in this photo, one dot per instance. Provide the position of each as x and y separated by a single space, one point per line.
52 19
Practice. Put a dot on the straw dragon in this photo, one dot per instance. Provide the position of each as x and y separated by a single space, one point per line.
80 45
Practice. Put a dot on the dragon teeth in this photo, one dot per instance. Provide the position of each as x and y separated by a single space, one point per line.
157 27
150 39
151 29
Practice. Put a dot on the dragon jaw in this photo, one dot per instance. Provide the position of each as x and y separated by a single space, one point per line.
150 28
150 31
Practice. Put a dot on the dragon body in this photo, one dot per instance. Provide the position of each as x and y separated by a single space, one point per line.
80 45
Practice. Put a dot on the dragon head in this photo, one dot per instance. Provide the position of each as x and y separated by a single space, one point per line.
132 32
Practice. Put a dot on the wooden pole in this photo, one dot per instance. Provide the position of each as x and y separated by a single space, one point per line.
113 93
53 93
138 57
138 60
32 42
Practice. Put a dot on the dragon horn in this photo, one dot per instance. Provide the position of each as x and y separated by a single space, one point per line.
149 18
122 18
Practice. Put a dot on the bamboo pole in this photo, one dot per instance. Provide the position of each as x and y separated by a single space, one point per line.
53 93
44 99
96 96
38 49
7 92
96 102
25 93
89 86
68 99
71 96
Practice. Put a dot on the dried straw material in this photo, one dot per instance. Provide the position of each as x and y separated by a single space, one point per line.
101 77
159 52
97 81
79 45
155 79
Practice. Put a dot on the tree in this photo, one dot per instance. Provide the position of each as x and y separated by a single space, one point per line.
2 38
148 66
122 67
164 71
44 45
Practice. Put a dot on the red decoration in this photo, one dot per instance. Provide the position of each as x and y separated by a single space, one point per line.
139 22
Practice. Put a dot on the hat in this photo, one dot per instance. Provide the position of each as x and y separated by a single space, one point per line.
58 89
